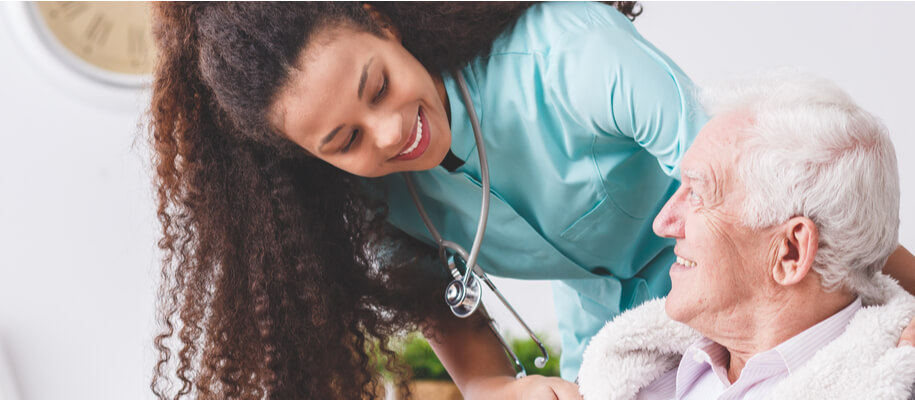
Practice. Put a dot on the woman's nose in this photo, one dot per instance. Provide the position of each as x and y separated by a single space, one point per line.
670 222
388 130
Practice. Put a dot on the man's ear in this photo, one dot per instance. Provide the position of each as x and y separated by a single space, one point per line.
796 251
383 21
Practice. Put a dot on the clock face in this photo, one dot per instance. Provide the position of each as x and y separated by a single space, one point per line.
113 37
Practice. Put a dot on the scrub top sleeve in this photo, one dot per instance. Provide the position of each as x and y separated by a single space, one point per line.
613 82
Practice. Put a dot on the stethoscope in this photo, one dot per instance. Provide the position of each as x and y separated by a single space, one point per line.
464 293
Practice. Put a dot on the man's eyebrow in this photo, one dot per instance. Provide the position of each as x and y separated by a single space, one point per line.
364 77
698 179
330 136
695 175
704 182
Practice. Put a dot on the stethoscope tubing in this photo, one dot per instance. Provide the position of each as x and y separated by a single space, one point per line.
475 269
484 173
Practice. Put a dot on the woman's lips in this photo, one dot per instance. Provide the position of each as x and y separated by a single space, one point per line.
418 141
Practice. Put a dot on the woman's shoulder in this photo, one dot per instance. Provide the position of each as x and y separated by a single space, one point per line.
545 25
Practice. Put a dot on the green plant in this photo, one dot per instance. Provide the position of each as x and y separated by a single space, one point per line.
416 352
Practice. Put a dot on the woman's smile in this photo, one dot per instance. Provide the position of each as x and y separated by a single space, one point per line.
418 141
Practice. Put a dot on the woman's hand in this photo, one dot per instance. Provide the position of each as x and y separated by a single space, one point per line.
536 387
471 353
531 387
908 335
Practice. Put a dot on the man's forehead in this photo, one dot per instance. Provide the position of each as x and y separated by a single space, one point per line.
728 129
725 132
716 147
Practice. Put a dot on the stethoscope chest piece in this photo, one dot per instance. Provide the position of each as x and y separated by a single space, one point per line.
463 297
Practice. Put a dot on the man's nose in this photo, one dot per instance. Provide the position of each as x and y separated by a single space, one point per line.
670 221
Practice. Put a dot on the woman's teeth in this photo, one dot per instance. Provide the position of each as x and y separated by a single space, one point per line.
419 135
686 263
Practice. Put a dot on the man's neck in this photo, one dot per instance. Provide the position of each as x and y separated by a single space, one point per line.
772 322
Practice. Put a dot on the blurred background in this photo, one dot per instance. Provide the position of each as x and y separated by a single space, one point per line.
78 261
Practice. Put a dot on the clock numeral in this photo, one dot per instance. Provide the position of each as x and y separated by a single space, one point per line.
72 9
135 43
99 29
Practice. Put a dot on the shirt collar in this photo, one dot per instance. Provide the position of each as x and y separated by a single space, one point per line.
790 355
697 360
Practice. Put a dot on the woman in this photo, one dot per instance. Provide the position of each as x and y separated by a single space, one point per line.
281 267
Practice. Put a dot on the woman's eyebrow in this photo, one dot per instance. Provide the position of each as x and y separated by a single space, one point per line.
330 136
364 77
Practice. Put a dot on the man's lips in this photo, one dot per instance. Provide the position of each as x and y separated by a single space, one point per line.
686 262
682 264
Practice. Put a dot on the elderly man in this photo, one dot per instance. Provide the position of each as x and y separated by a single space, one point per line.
787 212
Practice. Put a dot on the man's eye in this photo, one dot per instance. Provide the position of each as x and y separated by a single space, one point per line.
352 139
382 91
694 197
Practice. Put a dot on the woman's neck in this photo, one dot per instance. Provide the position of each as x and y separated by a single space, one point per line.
442 93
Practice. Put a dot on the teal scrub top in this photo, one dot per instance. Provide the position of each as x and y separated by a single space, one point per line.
584 124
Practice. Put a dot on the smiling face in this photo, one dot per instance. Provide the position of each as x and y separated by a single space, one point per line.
722 266
364 104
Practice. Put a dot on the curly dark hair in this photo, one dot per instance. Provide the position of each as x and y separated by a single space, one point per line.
279 272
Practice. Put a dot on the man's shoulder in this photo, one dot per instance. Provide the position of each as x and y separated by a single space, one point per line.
863 362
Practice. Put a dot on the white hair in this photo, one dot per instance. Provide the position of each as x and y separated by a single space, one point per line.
811 151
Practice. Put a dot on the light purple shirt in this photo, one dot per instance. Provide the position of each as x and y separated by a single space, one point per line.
702 373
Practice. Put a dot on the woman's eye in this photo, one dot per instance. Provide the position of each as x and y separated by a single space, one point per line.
352 139
381 91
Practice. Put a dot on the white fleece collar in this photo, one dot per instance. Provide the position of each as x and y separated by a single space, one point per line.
863 363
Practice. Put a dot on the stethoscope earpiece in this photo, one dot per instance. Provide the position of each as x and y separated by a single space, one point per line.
540 362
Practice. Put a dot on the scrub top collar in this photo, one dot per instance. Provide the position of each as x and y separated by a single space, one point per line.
451 162
463 144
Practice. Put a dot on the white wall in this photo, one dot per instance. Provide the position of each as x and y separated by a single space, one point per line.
77 233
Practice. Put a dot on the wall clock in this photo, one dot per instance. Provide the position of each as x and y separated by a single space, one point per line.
110 42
